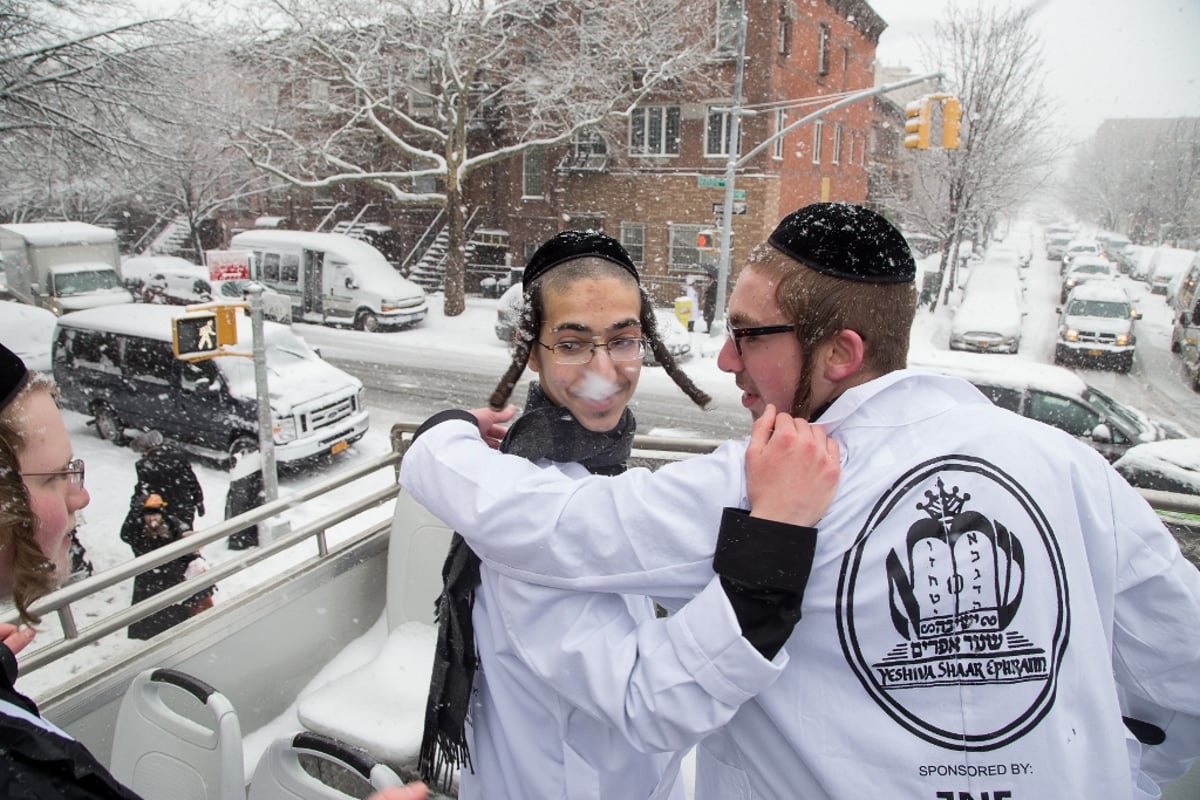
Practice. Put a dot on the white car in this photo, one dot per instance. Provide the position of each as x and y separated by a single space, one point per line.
29 332
1084 269
166 280
1096 325
1167 264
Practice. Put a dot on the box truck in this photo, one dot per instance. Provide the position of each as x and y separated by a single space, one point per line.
62 266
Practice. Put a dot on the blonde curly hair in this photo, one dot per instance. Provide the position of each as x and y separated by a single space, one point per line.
33 574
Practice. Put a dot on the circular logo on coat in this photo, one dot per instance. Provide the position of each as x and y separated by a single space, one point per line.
953 607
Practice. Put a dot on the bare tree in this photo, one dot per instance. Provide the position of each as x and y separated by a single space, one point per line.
72 85
392 95
992 59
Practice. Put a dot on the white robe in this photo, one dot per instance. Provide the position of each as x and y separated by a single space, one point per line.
987 598
588 696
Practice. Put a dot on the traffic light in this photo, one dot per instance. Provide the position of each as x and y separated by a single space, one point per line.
707 241
916 124
951 120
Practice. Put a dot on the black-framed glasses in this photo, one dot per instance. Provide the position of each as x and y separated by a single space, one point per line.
737 334
74 473
623 348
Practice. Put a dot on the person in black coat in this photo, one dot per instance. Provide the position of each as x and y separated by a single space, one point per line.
246 492
147 528
165 471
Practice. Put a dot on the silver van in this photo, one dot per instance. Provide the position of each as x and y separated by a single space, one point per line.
333 279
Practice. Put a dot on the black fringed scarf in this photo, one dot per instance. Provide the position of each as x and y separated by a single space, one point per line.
545 431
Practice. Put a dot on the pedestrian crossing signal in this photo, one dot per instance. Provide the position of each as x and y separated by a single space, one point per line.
706 241
194 337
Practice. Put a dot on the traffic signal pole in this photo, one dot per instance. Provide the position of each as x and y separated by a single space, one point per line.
733 163
266 435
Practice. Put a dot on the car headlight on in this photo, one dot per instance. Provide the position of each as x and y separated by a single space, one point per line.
1071 335
284 430
1124 339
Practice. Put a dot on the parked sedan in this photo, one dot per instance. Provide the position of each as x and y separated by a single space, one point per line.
1168 466
1057 397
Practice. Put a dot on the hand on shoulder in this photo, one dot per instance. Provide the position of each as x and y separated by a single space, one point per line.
490 423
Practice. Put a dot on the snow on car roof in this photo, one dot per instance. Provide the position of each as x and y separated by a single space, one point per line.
1002 370
1100 291
56 233
1178 458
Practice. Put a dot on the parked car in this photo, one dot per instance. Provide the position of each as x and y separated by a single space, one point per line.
1084 269
29 332
1056 243
276 305
1168 466
1057 397
992 311
168 280
1166 265
1138 259
1095 326
508 312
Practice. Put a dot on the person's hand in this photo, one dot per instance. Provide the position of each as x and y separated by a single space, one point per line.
490 420
791 469
16 638
409 791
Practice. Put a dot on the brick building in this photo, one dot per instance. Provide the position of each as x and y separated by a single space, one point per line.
654 181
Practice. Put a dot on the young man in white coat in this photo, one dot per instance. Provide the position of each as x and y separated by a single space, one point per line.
543 693
992 611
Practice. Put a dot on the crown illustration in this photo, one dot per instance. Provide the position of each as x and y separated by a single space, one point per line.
944 506
958 571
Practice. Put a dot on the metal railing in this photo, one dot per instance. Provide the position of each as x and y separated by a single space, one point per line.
648 451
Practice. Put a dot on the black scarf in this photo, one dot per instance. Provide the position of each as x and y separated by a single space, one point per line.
547 431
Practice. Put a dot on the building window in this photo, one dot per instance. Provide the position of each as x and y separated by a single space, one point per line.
420 92
633 239
845 64
816 148
823 46
588 153
837 143
533 174
780 124
654 131
683 255
783 34
729 15
717 132
318 91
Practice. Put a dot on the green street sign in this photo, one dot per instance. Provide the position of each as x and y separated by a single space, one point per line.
709 182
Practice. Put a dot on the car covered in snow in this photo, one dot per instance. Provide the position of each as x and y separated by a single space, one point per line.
166 280
990 316
1167 265
28 331
1084 269
1057 397
1168 466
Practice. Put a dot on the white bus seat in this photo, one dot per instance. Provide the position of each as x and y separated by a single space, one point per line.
281 776
380 707
416 551
189 748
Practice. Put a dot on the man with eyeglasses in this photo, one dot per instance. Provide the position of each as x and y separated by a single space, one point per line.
542 693
991 609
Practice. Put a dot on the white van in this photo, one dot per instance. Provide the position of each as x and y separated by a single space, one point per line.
116 364
333 279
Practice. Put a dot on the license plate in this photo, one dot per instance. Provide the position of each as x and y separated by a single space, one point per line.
1094 353
339 446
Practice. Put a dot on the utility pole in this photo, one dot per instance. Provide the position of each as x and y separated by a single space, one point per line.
734 162
266 435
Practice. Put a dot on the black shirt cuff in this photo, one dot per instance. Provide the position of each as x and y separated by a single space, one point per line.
444 416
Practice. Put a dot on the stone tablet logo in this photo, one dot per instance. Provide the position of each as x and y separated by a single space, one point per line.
966 648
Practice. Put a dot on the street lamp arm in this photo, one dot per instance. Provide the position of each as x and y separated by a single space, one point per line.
845 101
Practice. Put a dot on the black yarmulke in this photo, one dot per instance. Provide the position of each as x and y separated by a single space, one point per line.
570 245
845 241
13 375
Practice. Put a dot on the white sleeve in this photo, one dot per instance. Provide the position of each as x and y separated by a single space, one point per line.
1156 633
640 532
664 684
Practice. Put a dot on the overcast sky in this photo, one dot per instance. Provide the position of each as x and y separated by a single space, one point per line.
1104 58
